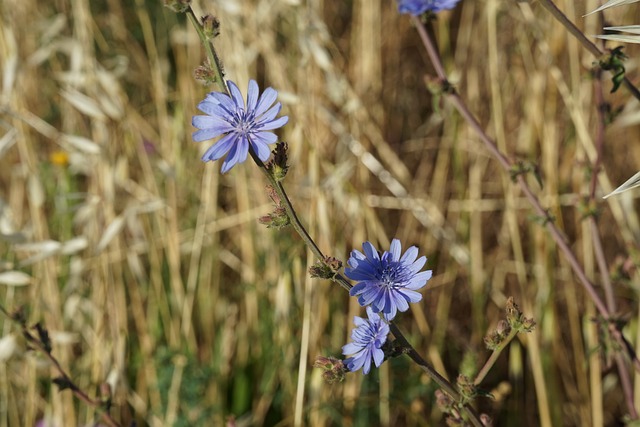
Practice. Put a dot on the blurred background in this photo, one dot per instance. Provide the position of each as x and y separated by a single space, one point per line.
151 272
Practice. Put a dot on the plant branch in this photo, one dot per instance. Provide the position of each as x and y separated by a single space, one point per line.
64 381
557 236
459 104
212 57
494 357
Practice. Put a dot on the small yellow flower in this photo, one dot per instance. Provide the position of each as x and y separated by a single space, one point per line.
59 158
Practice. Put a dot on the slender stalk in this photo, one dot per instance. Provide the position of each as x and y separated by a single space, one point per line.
597 241
607 286
494 357
474 418
106 416
39 345
212 57
627 387
291 213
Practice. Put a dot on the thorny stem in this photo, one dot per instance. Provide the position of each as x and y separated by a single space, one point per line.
308 240
459 104
588 44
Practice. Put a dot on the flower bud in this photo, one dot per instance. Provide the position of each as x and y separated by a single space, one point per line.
496 337
326 269
516 319
277 219
205 75
466 388
211 26
334 369
278 165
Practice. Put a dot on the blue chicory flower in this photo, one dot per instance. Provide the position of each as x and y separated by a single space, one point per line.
418 7
387 283
368 338
243 125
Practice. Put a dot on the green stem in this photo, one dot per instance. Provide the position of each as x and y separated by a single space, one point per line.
494 357
214 61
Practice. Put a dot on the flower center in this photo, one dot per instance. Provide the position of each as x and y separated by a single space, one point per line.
392 275
244 123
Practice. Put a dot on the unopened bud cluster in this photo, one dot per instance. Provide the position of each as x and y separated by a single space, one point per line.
211 26
334 369
498 336
205 75
326 269
278 165
466 388
278 218
516 319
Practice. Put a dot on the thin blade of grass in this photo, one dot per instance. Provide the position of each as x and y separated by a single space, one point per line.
611 3
620 38
633 29
632 182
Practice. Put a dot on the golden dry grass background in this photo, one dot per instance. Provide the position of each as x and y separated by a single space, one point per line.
151 272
